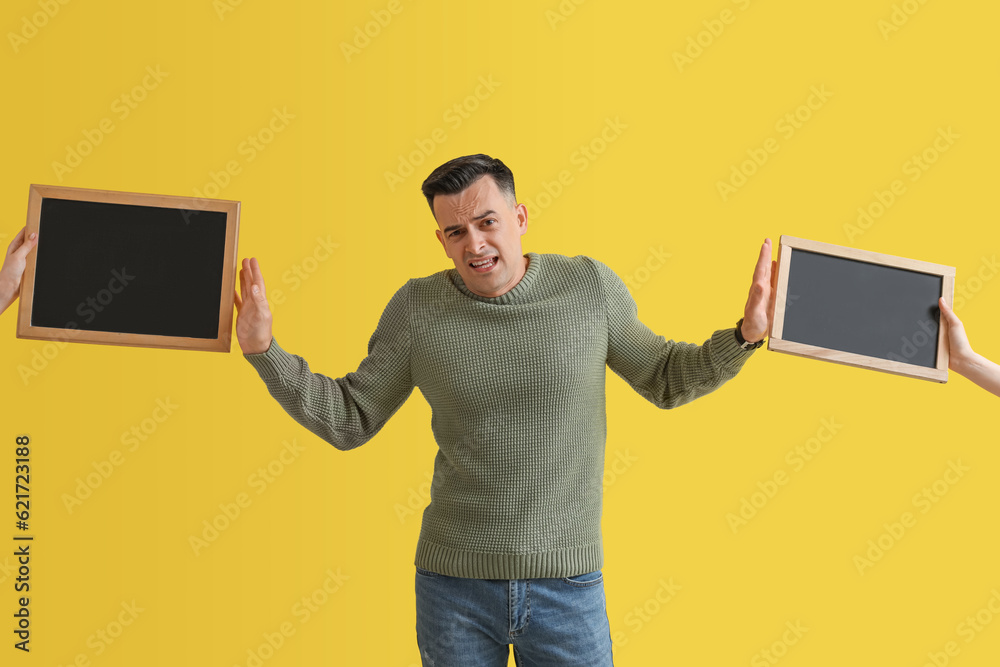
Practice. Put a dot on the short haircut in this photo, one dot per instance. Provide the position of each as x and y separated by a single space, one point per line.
456 175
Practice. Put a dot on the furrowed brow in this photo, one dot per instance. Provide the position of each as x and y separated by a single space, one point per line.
451 228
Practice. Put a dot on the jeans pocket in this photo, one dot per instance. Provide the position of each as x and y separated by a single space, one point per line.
585 580
426 573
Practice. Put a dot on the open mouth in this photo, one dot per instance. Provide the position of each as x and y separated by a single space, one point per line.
485 264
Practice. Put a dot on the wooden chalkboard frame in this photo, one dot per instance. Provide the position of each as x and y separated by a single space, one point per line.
789 243
221 343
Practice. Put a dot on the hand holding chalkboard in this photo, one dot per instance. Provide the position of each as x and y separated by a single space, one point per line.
962 359
253 319
13 267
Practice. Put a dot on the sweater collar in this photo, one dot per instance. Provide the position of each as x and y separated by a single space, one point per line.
514 294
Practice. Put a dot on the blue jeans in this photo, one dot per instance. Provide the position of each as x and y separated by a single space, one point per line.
469 622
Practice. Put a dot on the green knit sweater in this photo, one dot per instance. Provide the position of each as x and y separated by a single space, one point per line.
516 385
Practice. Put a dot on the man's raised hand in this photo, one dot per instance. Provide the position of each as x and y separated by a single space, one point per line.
759 311
253 314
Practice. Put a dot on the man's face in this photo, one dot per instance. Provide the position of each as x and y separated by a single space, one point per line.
481 232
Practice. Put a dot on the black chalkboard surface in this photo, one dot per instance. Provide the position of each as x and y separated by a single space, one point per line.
130 269
861 308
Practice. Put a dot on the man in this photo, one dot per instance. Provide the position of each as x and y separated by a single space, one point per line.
510 351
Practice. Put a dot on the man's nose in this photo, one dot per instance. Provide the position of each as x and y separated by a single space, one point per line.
475 241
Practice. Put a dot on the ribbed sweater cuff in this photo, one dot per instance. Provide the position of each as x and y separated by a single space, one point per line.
272 364
726 351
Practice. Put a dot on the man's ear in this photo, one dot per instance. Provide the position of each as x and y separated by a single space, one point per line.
522 218
440 237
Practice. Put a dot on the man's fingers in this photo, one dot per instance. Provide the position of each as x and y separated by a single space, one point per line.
244 288
238 301
257 278
763 262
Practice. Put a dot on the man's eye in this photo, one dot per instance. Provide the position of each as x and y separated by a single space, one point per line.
454 232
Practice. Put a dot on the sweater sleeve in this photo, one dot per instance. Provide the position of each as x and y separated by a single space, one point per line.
664 372
347 411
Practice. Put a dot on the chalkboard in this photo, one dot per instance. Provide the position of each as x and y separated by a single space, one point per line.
130 269
861 308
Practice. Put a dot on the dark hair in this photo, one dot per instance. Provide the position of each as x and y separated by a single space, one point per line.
456 175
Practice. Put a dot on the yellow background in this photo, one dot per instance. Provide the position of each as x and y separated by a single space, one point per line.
655 187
